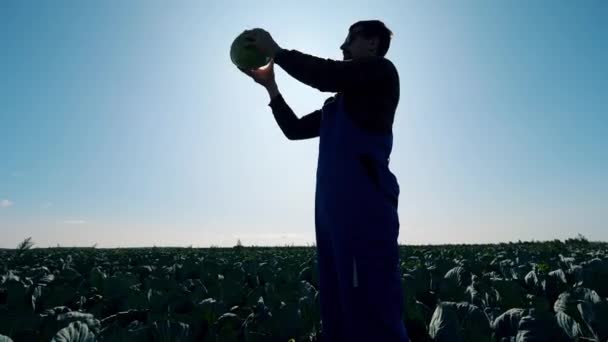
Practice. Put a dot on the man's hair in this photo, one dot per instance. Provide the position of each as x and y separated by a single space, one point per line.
374 29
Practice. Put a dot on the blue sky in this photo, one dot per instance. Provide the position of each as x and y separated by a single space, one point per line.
125 123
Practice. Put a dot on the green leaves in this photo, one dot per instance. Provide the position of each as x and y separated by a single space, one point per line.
228 328
511 294
539 326
595 316
170 331
569 325
454 284
529 292
97 277
459 322
75 332
444 325
16 298
595 273
507 324
582 309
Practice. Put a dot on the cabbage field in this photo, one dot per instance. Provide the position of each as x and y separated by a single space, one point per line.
521 292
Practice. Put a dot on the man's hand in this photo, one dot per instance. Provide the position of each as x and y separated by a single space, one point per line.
263 76
262 41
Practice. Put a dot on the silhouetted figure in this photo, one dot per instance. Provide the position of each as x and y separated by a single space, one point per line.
356 219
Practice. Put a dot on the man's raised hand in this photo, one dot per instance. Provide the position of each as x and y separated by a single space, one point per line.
263 75
261 40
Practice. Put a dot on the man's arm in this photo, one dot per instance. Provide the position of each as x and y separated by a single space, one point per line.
335 76
294 129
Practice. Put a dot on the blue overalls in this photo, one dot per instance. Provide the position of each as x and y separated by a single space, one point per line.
357 226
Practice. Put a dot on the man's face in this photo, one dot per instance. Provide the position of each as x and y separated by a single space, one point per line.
357 46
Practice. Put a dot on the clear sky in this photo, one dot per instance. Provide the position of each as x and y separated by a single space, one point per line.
124 123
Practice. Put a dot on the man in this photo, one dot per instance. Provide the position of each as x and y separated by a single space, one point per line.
356 220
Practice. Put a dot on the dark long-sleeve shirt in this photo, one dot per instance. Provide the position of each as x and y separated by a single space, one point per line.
369 87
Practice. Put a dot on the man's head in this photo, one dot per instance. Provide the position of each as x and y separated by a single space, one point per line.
366 38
